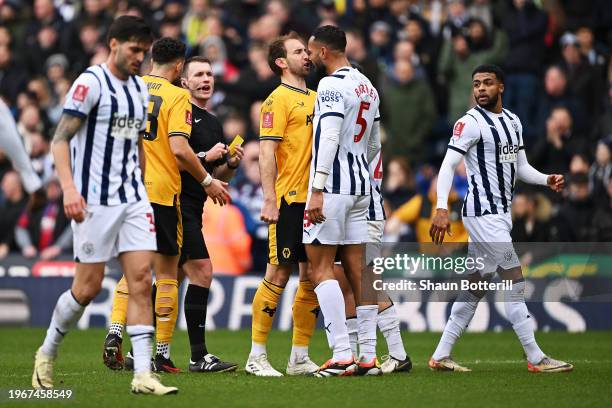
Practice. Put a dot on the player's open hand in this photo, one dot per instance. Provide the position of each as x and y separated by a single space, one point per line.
315 208
269 212
216 152
74 204
217 191
556 182
440 226
237 157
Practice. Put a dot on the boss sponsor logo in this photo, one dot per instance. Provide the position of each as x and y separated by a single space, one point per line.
329 96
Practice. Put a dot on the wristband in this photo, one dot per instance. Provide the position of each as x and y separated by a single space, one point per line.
207 181
319 180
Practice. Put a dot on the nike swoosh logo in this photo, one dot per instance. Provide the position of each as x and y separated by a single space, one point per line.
197 120
150 389
201 326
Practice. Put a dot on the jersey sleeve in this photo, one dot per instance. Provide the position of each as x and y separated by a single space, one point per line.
179 117
465 135
520 132
83 95
330 98
144 94
273 119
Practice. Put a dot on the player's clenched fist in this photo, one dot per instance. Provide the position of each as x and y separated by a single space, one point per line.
269 212
556 182
315 208
74 204
439 226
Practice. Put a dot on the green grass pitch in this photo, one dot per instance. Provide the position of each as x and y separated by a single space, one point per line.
499 376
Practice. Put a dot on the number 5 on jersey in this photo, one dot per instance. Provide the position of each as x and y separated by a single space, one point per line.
361 121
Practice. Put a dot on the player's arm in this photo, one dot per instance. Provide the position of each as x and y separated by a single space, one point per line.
374 143
528 174
74 203
465 135
272 126
331 110
142 159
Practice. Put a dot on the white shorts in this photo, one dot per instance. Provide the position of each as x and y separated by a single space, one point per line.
108 231
490 241
374 245
345 221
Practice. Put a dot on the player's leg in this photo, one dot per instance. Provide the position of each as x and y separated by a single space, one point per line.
264 307
290 250
199 271
522 324
112 354
349 308
68 310
135 246
305 313
168 234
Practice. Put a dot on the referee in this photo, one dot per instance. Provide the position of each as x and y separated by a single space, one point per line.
207 141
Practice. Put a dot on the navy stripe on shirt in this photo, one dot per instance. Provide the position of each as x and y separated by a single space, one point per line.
498 165
477 209
108 154
350 160
480 152
336 176
89 141
510 143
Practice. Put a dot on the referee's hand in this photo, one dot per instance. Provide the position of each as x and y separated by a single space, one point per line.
217 191
269 212
440 226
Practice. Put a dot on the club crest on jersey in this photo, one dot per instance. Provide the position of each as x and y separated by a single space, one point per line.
514 125
80 93
458 129
267 120
507 153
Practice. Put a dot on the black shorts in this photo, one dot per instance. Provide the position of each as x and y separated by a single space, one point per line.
168 229
194 246
285 237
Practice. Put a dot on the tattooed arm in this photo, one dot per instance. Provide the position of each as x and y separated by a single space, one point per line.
74 204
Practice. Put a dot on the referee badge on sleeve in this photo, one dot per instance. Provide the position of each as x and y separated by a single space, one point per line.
188 117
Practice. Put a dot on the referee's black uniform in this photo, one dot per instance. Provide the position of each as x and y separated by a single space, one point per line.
206 132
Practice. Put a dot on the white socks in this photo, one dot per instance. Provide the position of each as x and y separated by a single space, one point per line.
331 302
353 329
298 353
388 323
518 315
461 314
65 315
257 349
366 319
142 346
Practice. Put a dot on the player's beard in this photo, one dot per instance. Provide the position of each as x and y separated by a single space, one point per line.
489 105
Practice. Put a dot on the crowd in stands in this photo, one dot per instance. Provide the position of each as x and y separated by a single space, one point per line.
419 54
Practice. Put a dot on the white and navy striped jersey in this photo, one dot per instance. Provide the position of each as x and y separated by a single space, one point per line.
349 95
490 143
104 152
376 211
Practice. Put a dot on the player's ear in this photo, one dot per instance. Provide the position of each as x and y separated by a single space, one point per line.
281 63
501 87
113 44
184 83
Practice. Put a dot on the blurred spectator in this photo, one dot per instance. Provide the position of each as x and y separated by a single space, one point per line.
551 155
44 230
583 80
89 37
420 210
526 27
398 183
602 220
574 220
194 23
45 15
456 19
358 54
458 58
594 53
247 195
556 94
13 76
481 9
254 113
600 172
281 11
404 51
227 240
425 46
60 89
12 203
526 225
214 49
235 124
579 163
409 113
381 45
47 43
42 159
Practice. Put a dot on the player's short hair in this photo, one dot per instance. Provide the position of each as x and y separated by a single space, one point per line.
277 50
490 68
126 28
197 58
167 50
333 37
